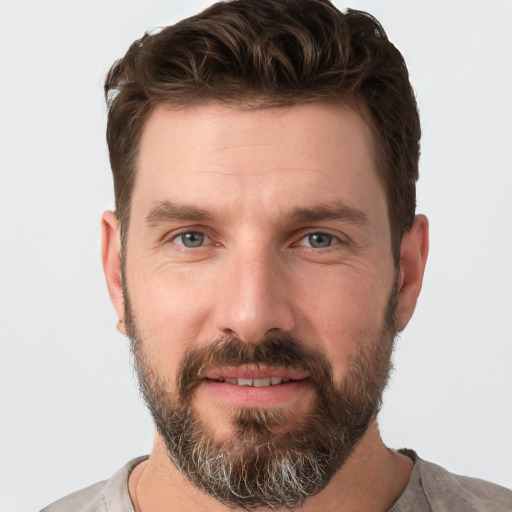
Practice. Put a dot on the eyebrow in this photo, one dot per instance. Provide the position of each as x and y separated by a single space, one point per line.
167 211
334 211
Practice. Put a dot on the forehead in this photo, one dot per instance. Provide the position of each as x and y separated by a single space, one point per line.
324 125
262 158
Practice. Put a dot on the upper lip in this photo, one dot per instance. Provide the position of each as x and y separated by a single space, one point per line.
255 372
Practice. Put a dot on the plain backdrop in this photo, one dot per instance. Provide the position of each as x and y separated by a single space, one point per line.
70 413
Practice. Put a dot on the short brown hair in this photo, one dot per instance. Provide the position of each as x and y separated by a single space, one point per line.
270 53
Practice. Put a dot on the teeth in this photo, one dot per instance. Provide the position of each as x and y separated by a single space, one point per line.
257 383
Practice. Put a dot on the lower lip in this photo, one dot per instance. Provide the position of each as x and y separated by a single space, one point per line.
250 396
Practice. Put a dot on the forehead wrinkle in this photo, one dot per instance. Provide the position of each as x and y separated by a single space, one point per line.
260 170
241 147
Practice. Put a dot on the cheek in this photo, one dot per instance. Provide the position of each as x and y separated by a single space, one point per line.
169 315
347 315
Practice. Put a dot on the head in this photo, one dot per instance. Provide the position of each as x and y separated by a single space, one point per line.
271 53
264 252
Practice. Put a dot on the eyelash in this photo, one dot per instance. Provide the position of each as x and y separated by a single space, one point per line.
333 239
176 236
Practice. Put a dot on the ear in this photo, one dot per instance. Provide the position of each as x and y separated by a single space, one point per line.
413 258
111 258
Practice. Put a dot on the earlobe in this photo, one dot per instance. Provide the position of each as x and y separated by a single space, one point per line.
111 258
413 258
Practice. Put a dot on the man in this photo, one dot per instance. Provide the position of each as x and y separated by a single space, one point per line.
263 255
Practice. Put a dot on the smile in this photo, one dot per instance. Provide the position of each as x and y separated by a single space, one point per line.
255 386
257 383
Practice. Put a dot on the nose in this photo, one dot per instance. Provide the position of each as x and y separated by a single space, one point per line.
255 299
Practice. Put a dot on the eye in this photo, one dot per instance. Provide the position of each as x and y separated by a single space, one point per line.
318 240
191 239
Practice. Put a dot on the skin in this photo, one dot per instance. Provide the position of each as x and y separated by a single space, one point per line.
257 270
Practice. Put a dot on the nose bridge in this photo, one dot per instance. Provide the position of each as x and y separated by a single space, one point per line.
254 300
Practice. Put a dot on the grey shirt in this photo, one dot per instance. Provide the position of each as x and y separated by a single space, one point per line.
430 488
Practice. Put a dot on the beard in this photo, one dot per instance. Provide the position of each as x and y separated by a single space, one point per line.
272 459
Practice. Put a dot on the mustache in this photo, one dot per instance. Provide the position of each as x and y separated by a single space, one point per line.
283 350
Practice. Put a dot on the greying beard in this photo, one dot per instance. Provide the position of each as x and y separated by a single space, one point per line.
271 460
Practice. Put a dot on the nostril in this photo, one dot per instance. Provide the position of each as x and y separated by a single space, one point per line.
250 315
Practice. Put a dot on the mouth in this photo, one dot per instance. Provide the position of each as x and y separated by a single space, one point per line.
250 386
256 383
256 376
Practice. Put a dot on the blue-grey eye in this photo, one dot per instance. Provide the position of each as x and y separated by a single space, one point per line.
191 239
319 240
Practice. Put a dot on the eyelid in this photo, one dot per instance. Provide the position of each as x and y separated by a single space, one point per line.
206 238
176 235
338 238
335 239
170 236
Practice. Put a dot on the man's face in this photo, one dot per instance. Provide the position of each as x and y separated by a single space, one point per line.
259 280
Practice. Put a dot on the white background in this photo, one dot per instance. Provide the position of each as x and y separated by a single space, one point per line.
69 408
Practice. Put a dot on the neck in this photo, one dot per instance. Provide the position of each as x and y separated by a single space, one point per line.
372 479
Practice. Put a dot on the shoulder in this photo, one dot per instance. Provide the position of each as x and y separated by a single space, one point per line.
434 489
455 490
107 496
88 499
